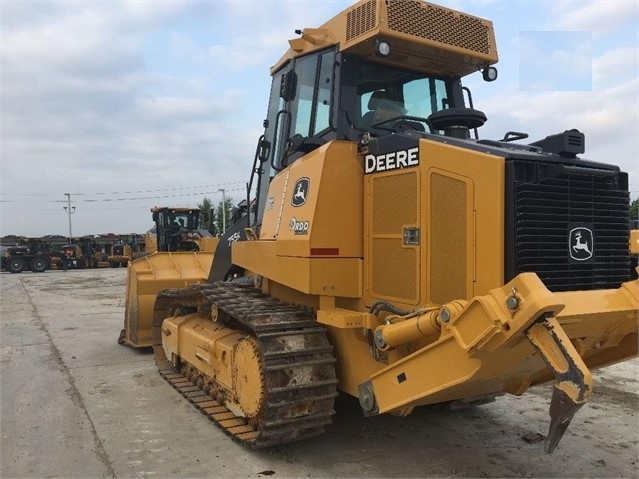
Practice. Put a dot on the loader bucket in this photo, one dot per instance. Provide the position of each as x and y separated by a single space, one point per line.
151 274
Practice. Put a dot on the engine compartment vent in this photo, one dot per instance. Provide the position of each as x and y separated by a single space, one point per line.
570 225
440 24
361 20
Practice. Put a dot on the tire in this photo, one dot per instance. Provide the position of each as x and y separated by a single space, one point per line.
39 264
113 264
15 265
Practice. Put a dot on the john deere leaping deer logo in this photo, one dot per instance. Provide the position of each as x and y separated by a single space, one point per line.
300 192
581 243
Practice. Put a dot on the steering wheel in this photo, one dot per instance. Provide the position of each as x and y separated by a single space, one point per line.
401 123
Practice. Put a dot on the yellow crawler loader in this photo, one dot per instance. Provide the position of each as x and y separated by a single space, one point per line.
392 254
120 255
180 255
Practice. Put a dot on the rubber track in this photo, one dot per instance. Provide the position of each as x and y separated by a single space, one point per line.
299 366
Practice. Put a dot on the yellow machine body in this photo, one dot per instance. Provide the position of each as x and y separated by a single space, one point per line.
357 28
150 242
206 244
120 255
634 241
158 270
342 264
383 260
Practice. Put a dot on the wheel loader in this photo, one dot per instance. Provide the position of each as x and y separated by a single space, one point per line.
392 254
84 253
179 253
120 255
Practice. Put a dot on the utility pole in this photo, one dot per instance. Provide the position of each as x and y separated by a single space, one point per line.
70 210
223 209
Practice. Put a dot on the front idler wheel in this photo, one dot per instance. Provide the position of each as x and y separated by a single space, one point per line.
248 377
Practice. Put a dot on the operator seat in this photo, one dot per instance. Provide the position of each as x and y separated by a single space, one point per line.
373 103
382 107
173 236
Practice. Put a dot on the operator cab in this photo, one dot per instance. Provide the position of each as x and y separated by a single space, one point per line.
327 95
375 70
173 226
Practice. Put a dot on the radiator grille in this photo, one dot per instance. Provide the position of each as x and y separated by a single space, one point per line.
361 19
118 249
549 202
439 24
394 270
449 230
394 205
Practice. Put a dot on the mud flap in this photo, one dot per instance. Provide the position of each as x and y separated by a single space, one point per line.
574 381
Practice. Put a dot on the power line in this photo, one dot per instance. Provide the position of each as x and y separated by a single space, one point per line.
133 191
140 198
162 189
113 208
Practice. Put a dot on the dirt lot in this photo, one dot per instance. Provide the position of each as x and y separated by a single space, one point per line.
74 403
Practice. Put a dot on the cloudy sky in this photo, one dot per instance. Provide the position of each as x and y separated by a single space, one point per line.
128 105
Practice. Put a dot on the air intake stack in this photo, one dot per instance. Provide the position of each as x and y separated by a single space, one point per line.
570 143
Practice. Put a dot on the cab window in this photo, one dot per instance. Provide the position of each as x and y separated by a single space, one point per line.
311 107
418 97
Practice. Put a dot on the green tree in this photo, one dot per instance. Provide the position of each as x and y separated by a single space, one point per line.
634 209
223 221
205 213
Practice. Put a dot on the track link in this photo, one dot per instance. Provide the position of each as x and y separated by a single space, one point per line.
298 363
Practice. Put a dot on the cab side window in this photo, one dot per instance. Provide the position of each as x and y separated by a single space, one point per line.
306 71
324 93
300 107
312 104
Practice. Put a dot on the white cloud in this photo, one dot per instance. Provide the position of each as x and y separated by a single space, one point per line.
85 110
616 64
609 118
555 61
257 32
157 95
597 16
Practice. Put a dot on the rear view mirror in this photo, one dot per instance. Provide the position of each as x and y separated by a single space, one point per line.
288 86
264 150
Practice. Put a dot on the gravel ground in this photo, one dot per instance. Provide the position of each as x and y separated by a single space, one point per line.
74 403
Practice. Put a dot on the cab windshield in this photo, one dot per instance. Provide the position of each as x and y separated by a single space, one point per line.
186 220
379 93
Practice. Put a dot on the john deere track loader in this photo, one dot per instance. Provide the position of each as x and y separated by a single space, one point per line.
391 253
182 254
